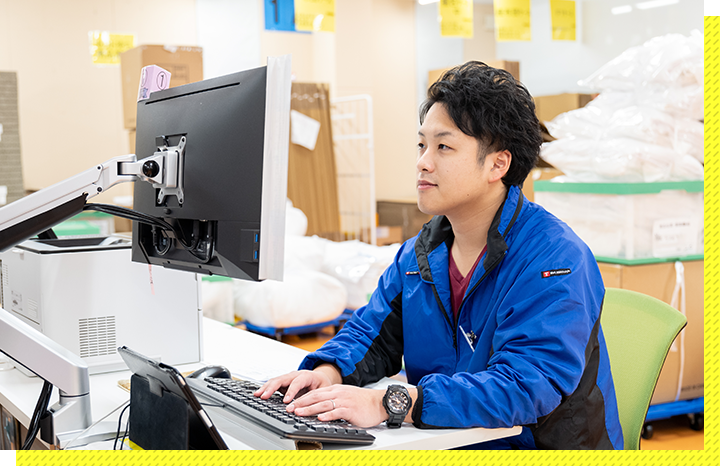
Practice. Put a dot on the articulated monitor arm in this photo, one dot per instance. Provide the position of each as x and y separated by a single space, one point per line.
43 209
53 363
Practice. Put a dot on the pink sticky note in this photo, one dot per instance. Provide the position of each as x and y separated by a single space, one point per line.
152 79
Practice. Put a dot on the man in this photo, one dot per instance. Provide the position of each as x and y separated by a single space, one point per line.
494 306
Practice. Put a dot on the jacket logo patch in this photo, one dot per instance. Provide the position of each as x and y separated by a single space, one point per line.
415 272
552 273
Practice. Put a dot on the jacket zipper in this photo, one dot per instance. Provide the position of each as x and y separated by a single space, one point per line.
447 318
467 295
518 208
454 328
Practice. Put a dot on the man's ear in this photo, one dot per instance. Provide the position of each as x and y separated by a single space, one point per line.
500 164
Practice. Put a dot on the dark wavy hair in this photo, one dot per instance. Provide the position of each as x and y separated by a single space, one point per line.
490 105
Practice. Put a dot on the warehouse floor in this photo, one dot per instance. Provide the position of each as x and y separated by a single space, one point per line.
669 434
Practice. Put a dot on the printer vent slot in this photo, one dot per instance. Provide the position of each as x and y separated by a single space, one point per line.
97 336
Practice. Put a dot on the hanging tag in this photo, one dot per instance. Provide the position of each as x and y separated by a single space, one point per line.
152 284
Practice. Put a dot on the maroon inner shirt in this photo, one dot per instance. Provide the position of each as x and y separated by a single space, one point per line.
459 284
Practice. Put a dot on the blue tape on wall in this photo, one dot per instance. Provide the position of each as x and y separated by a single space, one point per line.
280 15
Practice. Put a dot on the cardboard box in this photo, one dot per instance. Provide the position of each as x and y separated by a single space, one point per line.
402 213
11 173
513 67
548 107
388 235
658 280
184 63
131 140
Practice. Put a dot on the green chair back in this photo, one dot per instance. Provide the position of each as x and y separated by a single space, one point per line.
639 331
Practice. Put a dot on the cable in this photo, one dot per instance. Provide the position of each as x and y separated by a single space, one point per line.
130 214
125 404
156 222
127 428
40 409
117 434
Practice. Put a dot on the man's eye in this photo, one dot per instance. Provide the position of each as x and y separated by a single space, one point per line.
421 145
443 147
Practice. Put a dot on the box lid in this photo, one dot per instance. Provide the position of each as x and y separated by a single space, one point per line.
619 188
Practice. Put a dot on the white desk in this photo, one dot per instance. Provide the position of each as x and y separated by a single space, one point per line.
246 355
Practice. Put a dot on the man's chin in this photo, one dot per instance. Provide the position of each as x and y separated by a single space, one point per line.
426 209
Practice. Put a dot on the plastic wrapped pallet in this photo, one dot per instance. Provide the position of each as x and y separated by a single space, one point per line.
630 221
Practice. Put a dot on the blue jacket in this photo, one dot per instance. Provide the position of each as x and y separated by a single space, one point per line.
532 313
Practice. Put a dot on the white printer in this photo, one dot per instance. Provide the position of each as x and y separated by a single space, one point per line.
87 295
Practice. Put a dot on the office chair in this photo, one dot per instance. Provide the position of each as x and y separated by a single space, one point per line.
639 330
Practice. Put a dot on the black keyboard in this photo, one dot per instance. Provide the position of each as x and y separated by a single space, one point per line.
237 397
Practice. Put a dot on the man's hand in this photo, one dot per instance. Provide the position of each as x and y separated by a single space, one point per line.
320 393
300 382
359 406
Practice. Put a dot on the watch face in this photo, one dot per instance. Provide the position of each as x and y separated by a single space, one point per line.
397 402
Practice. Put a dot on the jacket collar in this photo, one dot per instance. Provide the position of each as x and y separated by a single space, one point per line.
438 231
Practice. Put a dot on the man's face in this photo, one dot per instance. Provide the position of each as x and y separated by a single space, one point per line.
450 181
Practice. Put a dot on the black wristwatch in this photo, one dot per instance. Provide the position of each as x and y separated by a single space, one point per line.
397 403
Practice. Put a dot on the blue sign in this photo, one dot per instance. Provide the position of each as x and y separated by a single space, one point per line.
280 15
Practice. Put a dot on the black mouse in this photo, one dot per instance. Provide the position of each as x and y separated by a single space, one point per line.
211 371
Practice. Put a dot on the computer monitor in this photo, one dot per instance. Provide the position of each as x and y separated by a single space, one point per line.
228 210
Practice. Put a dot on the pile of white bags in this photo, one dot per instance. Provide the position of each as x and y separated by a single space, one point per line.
322 278
645 125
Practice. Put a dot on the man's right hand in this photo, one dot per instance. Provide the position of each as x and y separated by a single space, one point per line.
299 382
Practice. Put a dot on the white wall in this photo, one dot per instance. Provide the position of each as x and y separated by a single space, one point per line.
433 51
229 33
371 52
71 110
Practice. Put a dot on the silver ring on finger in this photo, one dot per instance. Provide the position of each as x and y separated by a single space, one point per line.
333 403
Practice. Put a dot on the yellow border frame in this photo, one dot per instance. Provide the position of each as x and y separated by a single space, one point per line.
462 458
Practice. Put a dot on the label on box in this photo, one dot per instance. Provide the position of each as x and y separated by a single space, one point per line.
674 237
303 130
152 79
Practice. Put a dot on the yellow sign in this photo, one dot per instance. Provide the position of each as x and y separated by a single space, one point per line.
562 13
512 20
315 15
456 18
106 48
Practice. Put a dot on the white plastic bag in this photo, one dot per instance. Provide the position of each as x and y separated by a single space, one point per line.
619 160
296 221
304 297
217 300
358 266
618 114
670 60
